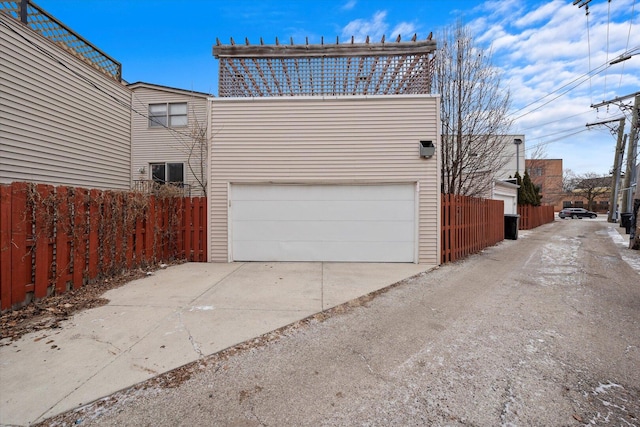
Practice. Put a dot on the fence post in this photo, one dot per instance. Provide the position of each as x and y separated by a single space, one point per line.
118 228
149 230
107 237
129 228
187 221
94 232
43 235
79 236
196 230
62 239
5 247
21 269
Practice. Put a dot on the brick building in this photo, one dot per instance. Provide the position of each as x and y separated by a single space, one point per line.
547 174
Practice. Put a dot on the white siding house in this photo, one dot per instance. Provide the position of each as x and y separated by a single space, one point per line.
508 193
169 136
324 179
62 120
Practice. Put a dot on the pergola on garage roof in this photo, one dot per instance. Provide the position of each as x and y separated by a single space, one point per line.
384 68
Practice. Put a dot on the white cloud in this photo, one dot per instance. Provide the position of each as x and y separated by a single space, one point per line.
349 5
544 47
361 28
377 26
547 11
405 29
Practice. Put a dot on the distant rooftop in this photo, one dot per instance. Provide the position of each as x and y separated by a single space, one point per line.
49 27
331 69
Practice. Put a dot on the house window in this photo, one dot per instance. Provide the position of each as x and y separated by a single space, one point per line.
167 172
537 171
168 115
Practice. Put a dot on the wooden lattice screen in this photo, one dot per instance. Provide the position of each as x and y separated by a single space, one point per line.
49 27
325 69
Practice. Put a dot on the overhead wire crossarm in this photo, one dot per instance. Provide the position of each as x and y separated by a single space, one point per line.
604 122
618 99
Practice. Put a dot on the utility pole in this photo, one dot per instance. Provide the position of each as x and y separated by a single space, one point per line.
627 205
617 162
634 242
613 199
634 238
614 196
626 200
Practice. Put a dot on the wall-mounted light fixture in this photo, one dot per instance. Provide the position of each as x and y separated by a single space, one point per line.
142 170
427 149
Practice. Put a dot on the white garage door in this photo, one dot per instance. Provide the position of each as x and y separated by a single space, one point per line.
355 223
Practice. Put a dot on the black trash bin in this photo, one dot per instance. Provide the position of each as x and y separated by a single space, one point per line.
625 221
511 226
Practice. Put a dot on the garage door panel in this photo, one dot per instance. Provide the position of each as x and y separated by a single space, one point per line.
352 223
326 210
323 192
365 231
326 251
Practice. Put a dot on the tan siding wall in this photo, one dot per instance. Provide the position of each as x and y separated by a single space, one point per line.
218 220
325 140
152 145
55 126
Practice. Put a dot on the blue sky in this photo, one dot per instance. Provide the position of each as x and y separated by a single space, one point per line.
544 48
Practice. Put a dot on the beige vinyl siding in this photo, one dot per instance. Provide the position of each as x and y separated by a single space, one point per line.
62 122
160 144
325 140
218 193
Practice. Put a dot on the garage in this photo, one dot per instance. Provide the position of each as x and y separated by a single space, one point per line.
350 223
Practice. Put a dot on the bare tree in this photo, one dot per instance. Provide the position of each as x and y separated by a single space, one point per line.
569 181
197 145
591 185
193 142
473 113
538 152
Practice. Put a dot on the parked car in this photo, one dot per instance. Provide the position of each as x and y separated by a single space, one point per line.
576 213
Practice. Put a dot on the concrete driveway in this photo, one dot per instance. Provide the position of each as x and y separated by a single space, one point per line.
169 319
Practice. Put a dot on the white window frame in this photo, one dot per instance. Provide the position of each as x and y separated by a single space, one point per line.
167 118
166 171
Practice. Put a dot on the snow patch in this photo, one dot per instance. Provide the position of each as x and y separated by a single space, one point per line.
560 258
603 388
627 254
202 308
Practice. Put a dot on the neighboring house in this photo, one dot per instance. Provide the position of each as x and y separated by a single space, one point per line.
169 137
514 157
508 193
547 175
314 160
64 112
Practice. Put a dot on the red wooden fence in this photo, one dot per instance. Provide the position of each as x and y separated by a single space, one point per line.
53 239
469 225
535 216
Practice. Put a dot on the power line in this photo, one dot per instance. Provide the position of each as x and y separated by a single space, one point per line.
557 133
540 144
628 38
575 82
604 91
586 76
558 120
589 50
